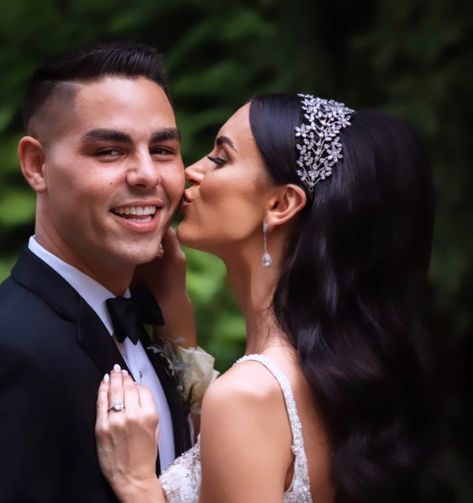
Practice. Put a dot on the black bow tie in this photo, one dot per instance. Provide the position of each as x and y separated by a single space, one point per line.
127 314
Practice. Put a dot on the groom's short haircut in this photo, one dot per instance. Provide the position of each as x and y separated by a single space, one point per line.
88 64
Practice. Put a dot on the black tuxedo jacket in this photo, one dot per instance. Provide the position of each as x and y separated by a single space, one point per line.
54 350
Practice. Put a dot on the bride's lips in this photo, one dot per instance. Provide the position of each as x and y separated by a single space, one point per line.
186 200
140 216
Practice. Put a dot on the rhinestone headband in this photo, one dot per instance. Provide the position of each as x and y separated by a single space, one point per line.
318 138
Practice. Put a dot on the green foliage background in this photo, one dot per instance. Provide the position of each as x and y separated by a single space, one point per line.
410 57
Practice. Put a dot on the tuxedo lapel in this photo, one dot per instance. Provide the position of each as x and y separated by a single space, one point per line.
179 410
35 275
96 340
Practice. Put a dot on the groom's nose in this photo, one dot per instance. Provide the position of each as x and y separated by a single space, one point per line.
143 171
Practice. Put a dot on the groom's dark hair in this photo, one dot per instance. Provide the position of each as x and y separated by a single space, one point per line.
88 64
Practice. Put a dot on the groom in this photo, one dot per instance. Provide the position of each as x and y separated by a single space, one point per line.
102 153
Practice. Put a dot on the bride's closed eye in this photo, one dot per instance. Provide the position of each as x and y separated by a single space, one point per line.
217 160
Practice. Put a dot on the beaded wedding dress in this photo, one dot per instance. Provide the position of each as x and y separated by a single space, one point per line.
181 481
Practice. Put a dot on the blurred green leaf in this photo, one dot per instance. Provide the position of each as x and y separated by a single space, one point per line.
6 114
16 207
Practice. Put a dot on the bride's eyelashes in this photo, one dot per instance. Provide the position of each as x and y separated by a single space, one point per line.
217 160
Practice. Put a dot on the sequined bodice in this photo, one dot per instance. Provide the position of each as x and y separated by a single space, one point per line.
181 481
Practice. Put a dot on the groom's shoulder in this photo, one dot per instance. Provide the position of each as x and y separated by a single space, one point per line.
21 310
17 319
12 295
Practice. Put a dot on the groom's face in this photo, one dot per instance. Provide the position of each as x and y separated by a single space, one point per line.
114 176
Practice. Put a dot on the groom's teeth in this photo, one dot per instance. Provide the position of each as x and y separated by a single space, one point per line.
136 211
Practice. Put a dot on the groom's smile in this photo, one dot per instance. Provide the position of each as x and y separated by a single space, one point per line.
139 217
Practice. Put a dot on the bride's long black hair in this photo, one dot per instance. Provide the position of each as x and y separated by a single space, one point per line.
353 268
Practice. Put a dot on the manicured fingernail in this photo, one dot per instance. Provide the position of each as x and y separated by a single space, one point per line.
106 378
116 367
125 372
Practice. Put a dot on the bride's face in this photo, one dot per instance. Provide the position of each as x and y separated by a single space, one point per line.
225 203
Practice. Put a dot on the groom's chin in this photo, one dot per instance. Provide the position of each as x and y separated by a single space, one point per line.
135 252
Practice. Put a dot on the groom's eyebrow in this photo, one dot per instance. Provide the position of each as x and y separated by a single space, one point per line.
169 133
102 134
106 135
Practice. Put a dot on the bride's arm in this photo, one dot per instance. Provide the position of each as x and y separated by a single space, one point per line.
166 278
245 438
126 439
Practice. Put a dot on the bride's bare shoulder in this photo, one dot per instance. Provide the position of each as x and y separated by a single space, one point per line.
247 381
246 404
243 412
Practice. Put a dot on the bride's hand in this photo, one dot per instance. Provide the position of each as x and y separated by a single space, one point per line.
127 437
165 276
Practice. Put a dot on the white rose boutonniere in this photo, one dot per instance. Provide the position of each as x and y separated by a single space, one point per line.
197 374
193 369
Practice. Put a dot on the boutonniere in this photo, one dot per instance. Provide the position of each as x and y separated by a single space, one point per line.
192 368
167 351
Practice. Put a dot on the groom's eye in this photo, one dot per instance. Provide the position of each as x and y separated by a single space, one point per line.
162 151
108 153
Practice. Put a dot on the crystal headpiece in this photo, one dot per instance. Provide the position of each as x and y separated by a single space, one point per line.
318 138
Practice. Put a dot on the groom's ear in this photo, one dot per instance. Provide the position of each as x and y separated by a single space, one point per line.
32 160
287 201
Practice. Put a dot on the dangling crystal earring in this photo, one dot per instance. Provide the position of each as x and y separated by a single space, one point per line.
267 260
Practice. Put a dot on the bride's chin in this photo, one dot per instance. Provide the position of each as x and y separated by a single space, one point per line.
181 234
195 240
187 237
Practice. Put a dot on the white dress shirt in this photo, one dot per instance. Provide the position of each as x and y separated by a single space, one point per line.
134 355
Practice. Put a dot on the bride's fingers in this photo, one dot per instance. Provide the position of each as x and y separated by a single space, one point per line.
102 400
130 394
149 413
147 404
171 244
115 391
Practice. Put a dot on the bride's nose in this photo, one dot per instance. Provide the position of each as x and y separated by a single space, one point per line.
195 172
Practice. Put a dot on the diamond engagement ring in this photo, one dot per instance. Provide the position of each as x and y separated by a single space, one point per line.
117 406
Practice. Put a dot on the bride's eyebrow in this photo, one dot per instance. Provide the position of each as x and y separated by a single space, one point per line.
225 140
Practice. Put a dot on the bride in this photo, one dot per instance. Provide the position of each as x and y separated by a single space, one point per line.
323 217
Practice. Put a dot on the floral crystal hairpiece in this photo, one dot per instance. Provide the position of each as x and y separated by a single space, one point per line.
318 138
